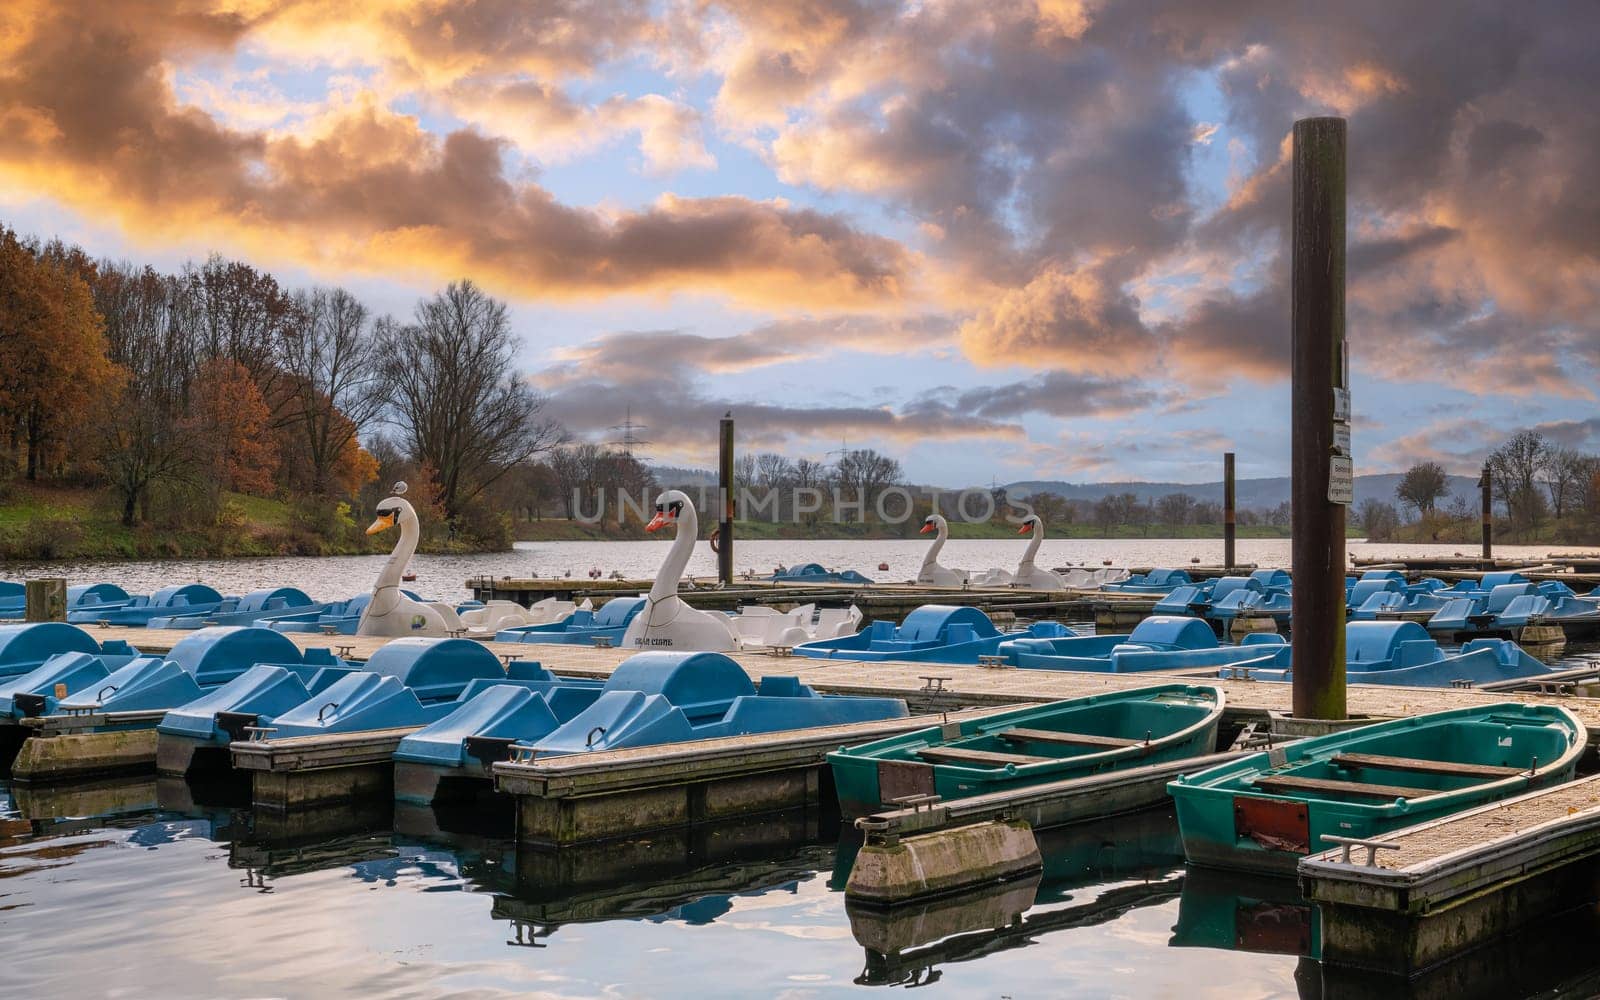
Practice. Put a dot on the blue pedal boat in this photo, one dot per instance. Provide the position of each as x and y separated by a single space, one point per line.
245 610
582 627
413 681
650 699
933 633
13 599
25 647
197 665
39 691
1157 581
816 573
665 697
1504 609
188 599
1161 642
1396 652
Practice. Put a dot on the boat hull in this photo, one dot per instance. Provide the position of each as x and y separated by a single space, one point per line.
870 777
1226 821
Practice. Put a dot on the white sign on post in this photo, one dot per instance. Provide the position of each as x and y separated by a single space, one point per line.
1341 480
1341 438
1341 404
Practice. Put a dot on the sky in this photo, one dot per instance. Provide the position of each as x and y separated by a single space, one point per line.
999 240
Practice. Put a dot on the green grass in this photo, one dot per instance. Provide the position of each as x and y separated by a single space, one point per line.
48 522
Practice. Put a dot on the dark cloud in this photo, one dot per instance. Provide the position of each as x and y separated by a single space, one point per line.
91 119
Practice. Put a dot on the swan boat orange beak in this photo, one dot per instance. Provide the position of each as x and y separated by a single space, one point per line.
385 521
927 528
664 516
1027 526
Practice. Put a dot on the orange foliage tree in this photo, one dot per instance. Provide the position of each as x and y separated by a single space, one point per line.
54 371
229 423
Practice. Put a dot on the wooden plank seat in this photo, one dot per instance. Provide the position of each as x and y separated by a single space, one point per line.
988 758
1290 783
1422 765
1020 734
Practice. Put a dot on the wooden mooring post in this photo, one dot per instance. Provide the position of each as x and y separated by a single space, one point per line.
726 486
1486 489
1228 528
1322 473
45 600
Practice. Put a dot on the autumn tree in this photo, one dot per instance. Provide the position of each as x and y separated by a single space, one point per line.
457 401
53 367
864 474
227 426
1175 508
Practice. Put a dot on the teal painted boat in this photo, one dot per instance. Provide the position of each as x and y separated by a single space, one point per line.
1028 746
1266 811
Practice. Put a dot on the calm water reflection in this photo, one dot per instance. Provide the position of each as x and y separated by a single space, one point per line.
160 896
219 901
338 577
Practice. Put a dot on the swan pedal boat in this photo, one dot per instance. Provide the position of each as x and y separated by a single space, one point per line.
1268 810
1030 746
1160 642
933 633
393 611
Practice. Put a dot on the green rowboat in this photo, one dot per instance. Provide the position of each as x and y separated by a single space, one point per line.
1029 746
1268 810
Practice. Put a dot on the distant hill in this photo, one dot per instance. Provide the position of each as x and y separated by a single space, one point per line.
1260 494
673 475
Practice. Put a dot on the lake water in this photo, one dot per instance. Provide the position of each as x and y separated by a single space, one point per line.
130 889
444 577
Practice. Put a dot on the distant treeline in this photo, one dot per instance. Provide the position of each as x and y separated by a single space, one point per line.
1542 491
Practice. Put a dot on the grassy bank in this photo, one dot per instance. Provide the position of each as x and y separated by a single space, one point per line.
44 523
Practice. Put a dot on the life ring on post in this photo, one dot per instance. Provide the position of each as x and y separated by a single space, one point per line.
716 539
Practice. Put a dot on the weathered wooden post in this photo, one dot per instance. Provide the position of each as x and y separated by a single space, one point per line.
1486 488
1228 529
1322 475
725 480
45 600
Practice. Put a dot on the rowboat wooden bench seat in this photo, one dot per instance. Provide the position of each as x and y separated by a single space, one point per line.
956 755
1290 783
1423 766
1021 735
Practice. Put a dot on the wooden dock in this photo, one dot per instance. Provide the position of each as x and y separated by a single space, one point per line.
1437 890
951 685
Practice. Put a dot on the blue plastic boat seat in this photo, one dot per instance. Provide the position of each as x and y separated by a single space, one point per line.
217 654
1500 579
1365 589
96 595
1454 615
783 686
618 612
24 648
359 701
1173 632
1555 589
931 622
33 693
143 684
1502 595
1271 578
1167 577
1522 609
501 713
1180 601
1383 574
698 683
1378 642
265 690
528 670
436 669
